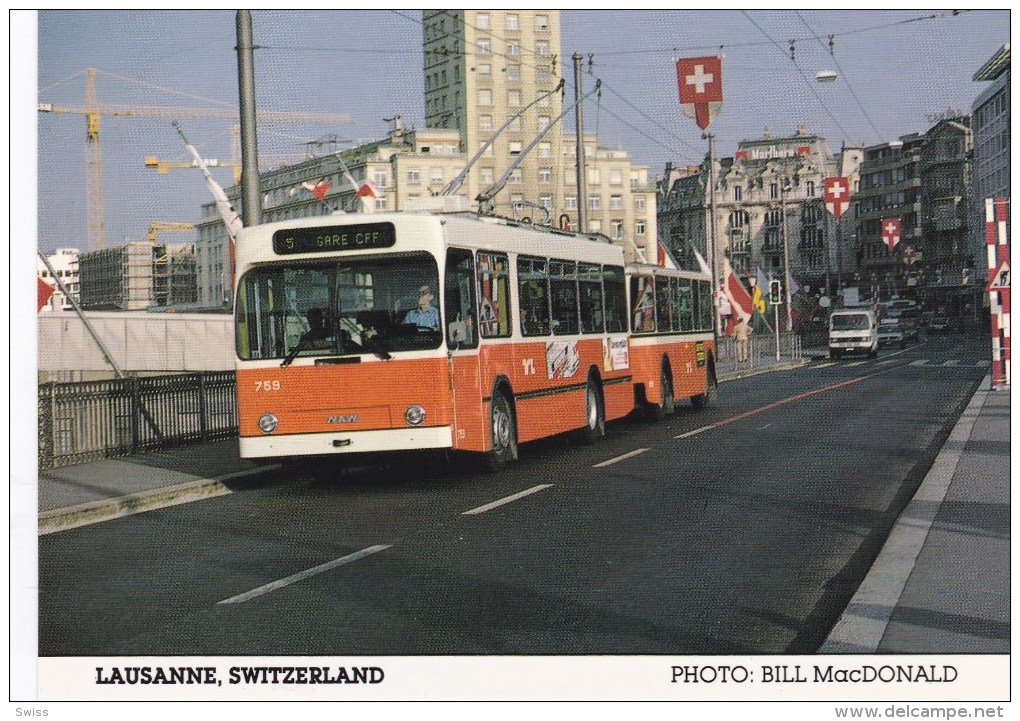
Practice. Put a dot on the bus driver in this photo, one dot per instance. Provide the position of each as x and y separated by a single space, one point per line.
425 315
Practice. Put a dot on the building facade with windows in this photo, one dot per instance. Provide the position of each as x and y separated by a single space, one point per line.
768 204
990 118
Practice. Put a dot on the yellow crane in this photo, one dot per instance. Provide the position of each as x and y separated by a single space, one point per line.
158 226
92 111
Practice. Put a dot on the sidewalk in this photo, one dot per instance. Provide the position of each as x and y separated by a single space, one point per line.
939 585
941 582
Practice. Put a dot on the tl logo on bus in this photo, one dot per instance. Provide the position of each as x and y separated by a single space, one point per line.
342 419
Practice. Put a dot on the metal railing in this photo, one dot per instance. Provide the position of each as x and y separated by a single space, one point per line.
761 351
80 422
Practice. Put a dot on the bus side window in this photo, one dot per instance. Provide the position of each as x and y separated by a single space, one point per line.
642 297
533 288
589 284
684 305
493 295
458 301
563 296
664 309
614 288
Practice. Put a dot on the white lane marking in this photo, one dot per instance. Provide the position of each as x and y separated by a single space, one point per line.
688 434
882 363
824 365
624 457
761 428
508 499
951 363
269 587
857 363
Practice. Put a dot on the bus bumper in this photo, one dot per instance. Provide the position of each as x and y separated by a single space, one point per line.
319 444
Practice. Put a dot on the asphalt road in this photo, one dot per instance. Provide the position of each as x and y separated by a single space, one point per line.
741 529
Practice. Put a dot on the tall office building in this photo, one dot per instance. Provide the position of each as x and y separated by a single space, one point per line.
481 68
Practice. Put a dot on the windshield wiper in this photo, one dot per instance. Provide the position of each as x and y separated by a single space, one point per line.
369 338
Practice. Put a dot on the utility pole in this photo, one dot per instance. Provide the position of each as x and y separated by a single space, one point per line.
251 190
582 172
786 255
711 222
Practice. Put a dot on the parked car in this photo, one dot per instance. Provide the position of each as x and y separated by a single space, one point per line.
890 333
910 323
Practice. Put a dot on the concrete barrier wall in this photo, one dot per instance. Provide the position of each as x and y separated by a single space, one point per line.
140 343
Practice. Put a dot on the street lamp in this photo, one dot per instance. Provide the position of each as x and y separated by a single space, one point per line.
784 186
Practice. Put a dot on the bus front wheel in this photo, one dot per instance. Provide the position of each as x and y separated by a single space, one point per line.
503 430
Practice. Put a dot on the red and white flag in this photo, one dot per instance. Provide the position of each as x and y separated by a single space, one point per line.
319 188
45 291
700 84
741 302
367 193
891 232
836 192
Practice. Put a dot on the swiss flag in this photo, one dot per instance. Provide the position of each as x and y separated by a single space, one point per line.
836 192
891 232
804 150
700 83
45 291
740 155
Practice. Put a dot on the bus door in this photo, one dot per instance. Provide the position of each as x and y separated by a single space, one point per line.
462 331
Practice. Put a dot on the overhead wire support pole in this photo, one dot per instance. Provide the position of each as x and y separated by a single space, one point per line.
582 173
454 185
251 191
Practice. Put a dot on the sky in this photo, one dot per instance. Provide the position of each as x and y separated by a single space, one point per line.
895 71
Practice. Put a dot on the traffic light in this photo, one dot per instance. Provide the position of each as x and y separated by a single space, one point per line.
775 292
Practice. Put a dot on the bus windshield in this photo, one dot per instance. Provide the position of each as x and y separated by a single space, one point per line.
336 308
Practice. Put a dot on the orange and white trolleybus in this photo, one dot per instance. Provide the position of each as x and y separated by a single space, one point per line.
401 331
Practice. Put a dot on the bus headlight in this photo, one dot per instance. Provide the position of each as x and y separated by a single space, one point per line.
268 423
415 415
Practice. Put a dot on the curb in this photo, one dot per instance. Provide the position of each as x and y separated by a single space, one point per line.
84 514
863 624
737 375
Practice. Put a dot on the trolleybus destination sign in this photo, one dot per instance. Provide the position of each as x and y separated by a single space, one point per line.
365 236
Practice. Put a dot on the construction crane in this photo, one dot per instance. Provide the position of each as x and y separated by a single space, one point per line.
93 157
159 226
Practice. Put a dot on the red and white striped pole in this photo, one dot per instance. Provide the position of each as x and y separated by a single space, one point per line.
996 214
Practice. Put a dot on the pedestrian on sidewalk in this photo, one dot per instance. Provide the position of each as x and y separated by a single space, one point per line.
740 334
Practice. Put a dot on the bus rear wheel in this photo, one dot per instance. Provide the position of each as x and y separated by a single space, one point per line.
708 398
666 405
503 431
594 412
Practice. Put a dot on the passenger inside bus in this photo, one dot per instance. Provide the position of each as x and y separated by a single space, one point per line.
318 334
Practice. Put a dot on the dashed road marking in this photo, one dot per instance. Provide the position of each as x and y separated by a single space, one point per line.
695 432
276 585
624 457
508 499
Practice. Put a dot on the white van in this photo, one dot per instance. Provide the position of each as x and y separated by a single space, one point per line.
853 331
